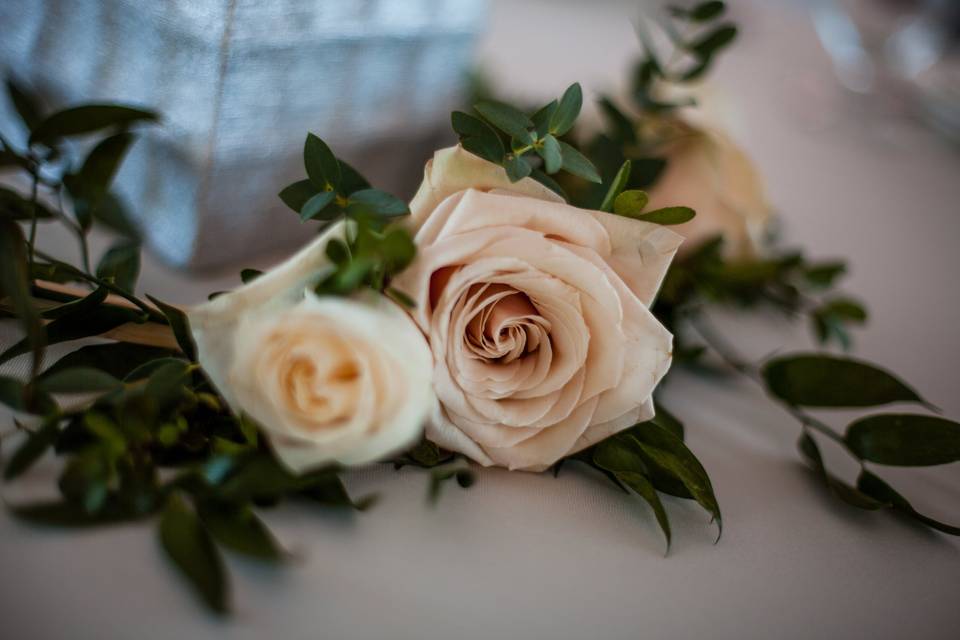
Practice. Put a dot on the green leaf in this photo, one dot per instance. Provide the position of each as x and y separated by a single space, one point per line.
631 203
506 118
16 207
711 43
78 380
903 439
240 530
550 152
188 544
322 166
440 476
89 186
30 451
667 215
541 118
87 318
616 187
375 202
477 137
327 488
166 384
576 163
706 11
855 498
121 263
249 275
116 359
620 126
667 420
669 452
825 274
844 308
563 117
351 180
180 326
296 195
549 183
642 486
15 284
517 168
65 514
872 485
26 104
112 214
87 119
831 381
314 207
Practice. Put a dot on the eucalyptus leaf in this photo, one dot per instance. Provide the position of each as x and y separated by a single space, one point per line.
190 547
666 215
549 183
375 202
550 152
87 119
517 168
477 137
318 207
903 439
508 119
563 117
576 163
831 381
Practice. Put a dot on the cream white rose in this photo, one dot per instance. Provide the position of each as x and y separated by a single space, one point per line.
707 171
536 312
329 379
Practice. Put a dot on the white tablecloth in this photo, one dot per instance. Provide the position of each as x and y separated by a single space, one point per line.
530 556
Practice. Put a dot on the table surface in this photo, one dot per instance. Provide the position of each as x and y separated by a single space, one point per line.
523 555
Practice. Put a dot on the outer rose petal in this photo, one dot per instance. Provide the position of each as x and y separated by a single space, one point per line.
453 169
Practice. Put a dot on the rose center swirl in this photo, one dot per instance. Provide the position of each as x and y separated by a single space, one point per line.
504 324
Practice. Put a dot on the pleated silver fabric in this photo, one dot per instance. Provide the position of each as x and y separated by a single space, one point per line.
239 83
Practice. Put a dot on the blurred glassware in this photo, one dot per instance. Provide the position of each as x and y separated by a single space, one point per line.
906 52
239 84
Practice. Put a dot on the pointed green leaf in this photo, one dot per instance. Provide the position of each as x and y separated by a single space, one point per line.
831 381
15 284
872 485
26 104
189 545
854 497
180 326
16 207
87 119
645 489
296 195
240 530
715 40
616 187
322 166
121 263
89 186
666 215
903 439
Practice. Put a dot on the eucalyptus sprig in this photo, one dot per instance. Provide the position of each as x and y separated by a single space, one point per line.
527 145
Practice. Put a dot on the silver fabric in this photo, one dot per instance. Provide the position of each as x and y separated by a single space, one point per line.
239 83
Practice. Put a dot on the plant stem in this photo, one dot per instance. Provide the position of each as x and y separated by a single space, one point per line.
33 214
